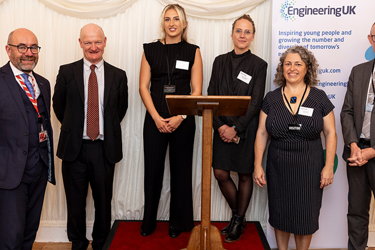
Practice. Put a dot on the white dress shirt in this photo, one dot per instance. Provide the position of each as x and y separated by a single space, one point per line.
368 93
32 79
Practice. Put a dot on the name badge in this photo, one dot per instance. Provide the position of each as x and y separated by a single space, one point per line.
244 77
294 127
305 111
43 136
169 89
182 65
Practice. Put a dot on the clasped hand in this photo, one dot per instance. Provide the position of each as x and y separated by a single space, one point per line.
227 134
168 125
360 157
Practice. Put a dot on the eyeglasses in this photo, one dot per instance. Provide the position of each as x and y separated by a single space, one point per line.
23 48
239 32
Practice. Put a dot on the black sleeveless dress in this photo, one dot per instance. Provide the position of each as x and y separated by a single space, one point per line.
156 53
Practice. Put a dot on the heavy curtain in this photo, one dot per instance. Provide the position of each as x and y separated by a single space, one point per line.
127 25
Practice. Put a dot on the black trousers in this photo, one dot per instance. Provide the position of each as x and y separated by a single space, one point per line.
20 209
361 182
181 143
90 167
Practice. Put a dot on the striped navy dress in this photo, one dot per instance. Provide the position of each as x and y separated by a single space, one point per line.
294 163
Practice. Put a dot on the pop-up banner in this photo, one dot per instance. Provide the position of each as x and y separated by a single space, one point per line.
335 31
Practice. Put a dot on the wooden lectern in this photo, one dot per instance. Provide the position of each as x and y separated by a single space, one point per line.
205 236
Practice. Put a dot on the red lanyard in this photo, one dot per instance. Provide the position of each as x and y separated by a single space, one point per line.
32 100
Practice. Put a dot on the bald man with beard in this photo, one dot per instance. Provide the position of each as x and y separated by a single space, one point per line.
26 143
90 100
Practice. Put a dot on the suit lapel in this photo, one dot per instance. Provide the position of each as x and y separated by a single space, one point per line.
108 81
46 97
13 86
366 74
369 68
43 89
78 71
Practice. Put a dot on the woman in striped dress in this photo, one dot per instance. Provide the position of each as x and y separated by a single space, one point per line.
293 117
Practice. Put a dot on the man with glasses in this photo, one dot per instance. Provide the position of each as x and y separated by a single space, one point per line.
358 128
90 100
26 145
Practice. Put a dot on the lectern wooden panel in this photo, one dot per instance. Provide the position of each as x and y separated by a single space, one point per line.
221 105
205 236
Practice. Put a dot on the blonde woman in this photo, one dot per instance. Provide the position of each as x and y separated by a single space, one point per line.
170 65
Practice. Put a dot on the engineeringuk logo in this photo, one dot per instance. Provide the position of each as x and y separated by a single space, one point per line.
284 11
289 11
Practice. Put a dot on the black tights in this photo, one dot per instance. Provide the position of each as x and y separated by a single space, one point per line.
237 199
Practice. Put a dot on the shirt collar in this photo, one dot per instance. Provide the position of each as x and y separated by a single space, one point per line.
17 72
87 64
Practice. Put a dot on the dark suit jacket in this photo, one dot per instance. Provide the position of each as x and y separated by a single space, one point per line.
68 103
254 66
14 127
353 109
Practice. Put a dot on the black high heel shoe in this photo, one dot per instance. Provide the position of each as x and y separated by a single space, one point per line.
238 227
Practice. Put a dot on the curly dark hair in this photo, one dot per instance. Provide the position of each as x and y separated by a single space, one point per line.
311 77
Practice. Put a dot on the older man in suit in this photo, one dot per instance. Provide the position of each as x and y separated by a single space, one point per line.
358 128
26 147
90 100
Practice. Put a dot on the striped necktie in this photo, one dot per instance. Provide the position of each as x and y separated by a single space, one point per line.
367 120
28 84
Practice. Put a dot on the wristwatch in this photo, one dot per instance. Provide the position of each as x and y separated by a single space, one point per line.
183 117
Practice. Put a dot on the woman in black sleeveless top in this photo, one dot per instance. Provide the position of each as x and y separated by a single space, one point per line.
172 66
237 73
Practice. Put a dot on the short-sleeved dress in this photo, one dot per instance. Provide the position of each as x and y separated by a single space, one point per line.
295 161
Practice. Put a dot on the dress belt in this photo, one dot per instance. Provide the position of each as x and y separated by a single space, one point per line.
87 141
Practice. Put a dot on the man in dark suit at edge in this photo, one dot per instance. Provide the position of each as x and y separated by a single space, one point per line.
26 143
90 100
358 128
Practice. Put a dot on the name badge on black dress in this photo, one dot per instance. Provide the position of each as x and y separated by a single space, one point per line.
169 89
294 127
